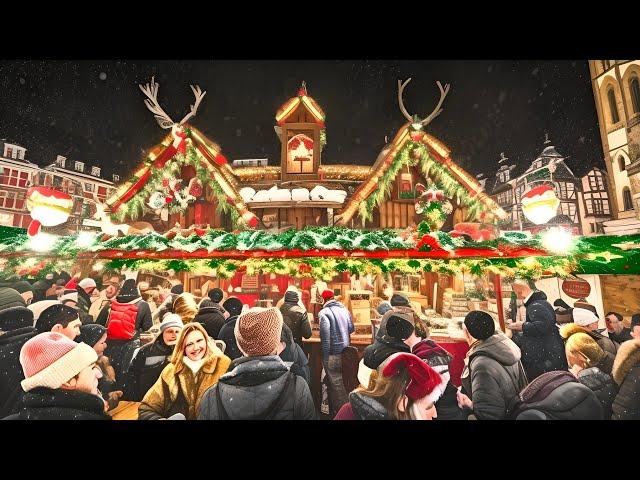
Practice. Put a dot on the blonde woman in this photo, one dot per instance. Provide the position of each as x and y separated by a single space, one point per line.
186 306
196 365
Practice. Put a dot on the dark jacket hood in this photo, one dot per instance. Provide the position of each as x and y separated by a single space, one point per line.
498 347
367 408
594 378
48 404
17 335
536 296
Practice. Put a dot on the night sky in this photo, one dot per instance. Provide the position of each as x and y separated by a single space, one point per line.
93 111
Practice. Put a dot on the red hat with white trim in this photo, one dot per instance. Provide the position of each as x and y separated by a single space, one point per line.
424 380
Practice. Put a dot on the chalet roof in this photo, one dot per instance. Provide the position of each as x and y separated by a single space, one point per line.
290 106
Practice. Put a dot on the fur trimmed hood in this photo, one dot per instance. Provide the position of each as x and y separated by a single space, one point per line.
569 329
628 356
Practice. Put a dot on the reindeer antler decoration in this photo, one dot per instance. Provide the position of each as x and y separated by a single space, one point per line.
415 120
164 120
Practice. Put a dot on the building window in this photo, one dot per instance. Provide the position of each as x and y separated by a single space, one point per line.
598 208
95 171
79 166
593 227
596 182
88 187
626 197
621 163
116 178
505 198
8 152
613 107
566 190
634 88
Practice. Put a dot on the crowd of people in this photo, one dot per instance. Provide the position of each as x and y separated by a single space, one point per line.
70 348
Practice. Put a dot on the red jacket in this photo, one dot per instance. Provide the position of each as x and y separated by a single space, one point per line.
122 321
345 413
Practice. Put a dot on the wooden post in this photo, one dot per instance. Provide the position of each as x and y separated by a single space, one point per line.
497 285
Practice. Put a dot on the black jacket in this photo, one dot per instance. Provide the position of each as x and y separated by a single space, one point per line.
568 399
295 358
11 373
254 384
367 408
602 385
84 303
623 336
297 320
493 377
47 404
146 368
227 335
541 345
384 346
626 373
212 319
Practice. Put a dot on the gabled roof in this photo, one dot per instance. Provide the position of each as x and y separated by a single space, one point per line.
304 100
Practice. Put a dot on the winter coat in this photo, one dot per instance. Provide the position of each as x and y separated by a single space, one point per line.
178 390
297 320
621 337
541 345
212 319
257 387
143 317
493 377
228 336
83 305
294 357
558 395
335 328
362 407
602 385
10 298
626 373
383 347
146 368
604 342
48 404
11 373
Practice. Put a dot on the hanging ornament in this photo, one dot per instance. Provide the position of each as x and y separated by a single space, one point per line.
156 200
540 204
433 205
179 138
195 187
47 207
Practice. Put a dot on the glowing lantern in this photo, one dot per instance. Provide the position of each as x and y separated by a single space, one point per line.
540 204
47 207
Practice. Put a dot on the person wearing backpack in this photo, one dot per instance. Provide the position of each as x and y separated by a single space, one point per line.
493 375
258 386
125 318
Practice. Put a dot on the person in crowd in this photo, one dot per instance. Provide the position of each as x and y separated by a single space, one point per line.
558 395
399 300
383 308
152 358
38 307
61 380
493 375
25 290
585 321
291 288
260 384
293 356
592 367
125 318
635 326
39 289
216 295
167 304
196 365
626 373
10 297
406 388
16 327
295 318
616 329
185 305
104 298
95 336
234 306
336 326
211 316
85 289
61 319
541 345
390 338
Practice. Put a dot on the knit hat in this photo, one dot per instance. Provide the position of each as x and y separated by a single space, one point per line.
69 297
22 286
327 295
14 318
398 300
171 320
398 325
90 334
480 325
40 285
129 291
87 282
56 313
635 320
177 289
258 331
49 359
584 317
216 295
233 305
582 303
425 382
10 298
39 307
583 345
291 297
383 308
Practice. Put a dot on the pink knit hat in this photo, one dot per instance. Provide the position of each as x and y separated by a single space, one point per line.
50 359
258 331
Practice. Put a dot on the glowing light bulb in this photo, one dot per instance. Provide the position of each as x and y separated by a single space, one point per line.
42 242
85 239
557 240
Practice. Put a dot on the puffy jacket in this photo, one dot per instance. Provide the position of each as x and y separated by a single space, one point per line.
335 328
294 357
602 385
362 407
626 373
11 373
146 368
143 320
297 320
493 377
122 321
255 384
47 404
541 345
604 342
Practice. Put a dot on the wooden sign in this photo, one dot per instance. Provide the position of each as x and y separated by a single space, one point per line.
576 288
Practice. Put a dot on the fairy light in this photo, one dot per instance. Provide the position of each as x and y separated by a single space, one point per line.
557 240
85 239
42 242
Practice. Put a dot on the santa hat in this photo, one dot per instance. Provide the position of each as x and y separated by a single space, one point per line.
327 294
87 283
584 317
424 380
